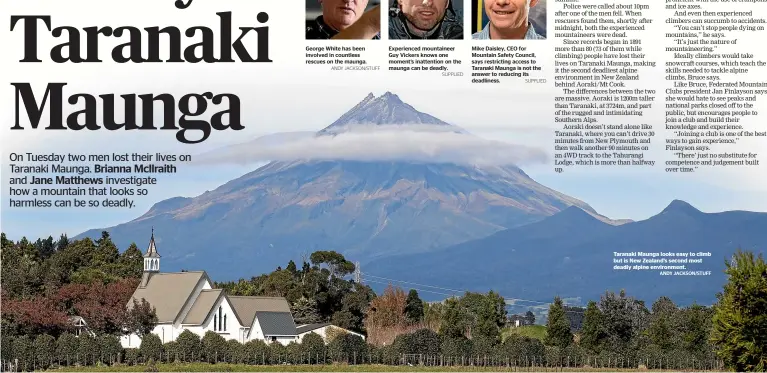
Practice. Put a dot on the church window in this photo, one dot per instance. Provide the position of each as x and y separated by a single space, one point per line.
215 323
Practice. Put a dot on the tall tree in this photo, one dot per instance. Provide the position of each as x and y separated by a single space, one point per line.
62 243
335 262
694 326
740 320
432 315
305 311
454 320
491 305
487 326
292 267
558 332
141 318
593 330
106 251
46 247
387 310
661 330
529 318
131 262
414 307
625 318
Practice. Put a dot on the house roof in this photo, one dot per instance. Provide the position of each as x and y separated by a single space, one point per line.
276 323
306 328
168 293
246 307
203 306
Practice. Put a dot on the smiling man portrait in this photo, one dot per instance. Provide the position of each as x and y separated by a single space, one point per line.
345 19
507 20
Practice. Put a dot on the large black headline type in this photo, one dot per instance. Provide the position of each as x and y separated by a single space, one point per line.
85 114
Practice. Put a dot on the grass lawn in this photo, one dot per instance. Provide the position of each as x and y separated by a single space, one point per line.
204 367
532 331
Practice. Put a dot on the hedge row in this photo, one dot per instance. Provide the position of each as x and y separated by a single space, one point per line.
424 347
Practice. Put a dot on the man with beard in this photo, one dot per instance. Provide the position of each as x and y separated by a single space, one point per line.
424 19
509 20
344 19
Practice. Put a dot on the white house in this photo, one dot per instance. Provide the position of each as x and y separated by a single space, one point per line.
80 326
323 330
187 301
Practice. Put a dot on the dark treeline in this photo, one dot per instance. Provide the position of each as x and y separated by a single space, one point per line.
318 291
47 281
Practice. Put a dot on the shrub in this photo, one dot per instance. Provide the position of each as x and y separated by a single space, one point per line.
188 346
256 353
347 348
401 344
24 352
151 366
332 333
151 347
234 351
388 355
66 349
170 352
6 348
213 347
423 341
277 353
456 348
314 346
111 350
132 356
524 351
483 346
45 348
87 349
295 353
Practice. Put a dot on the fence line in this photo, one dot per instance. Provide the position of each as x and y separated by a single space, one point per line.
511 362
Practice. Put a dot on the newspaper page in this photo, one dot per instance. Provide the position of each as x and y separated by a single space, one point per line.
384 185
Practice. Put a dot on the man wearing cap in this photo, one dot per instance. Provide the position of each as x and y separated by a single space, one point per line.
509 20
424 19
345 19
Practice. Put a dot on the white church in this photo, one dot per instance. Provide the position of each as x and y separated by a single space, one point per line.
187 301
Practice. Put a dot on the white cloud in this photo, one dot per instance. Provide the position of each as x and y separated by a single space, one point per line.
379 143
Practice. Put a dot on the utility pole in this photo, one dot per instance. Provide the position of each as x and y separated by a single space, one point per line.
357 273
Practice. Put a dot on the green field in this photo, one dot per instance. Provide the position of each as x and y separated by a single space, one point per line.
204 367
532 331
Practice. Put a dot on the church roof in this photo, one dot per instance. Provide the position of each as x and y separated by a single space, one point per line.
276 323
168 293
246 307
203 306
309 327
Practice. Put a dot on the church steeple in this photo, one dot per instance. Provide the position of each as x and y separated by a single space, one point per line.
151 261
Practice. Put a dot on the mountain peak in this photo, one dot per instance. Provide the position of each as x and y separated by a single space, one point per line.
391 97
680 206
387 109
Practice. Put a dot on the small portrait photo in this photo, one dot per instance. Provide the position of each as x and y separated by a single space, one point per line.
425 19
508 19
343 19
